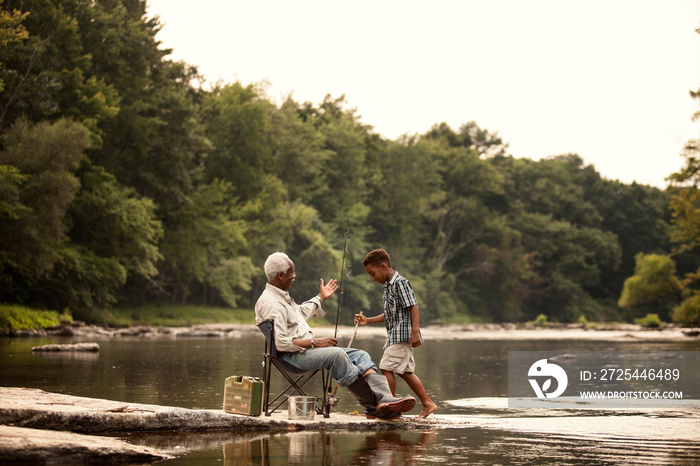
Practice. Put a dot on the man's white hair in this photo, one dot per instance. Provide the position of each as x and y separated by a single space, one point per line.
277 262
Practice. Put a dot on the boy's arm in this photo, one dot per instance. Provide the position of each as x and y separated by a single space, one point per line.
415 326
363 320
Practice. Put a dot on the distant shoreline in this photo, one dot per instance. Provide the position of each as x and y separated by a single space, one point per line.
507 331
623 332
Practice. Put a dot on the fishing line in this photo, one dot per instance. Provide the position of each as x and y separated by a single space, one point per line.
335 389
332 398
342 274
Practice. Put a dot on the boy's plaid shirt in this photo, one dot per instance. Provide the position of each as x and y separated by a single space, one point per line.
398 298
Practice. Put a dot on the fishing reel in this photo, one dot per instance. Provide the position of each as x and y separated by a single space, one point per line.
333 400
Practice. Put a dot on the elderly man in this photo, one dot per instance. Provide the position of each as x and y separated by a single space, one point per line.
351 368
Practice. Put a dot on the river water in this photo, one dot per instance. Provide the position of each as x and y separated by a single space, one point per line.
468 378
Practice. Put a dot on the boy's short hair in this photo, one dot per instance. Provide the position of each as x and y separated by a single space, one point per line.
376 258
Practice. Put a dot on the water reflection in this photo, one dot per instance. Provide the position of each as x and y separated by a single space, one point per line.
318 447
409 448
71 356
405 448
400 448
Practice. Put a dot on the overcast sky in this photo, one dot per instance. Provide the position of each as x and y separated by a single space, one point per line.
608 80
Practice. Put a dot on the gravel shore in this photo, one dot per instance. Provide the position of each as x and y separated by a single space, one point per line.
506 331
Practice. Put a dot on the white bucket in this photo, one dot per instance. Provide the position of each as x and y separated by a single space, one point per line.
302 407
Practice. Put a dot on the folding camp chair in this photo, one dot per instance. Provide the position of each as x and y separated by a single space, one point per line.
296 377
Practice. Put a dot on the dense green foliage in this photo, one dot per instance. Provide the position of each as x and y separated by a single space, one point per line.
13 318
685 233
649 321
171 316
654 285
124 182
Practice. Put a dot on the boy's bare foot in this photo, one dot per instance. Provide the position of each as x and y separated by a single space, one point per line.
428 409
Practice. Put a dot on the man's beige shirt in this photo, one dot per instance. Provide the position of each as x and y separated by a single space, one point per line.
290 318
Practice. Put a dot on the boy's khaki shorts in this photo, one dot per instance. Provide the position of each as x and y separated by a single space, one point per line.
398 358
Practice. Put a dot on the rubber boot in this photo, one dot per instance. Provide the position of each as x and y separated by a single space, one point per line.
386 402
364 394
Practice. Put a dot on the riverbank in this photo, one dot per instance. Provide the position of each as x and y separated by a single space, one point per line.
506 331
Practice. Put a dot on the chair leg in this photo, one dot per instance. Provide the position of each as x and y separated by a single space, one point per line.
266 388
294 386
325 402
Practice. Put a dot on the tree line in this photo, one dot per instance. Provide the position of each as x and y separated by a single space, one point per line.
123 181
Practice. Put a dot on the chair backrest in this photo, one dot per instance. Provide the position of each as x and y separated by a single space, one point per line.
267 327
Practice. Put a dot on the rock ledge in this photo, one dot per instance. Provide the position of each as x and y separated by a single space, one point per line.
32 420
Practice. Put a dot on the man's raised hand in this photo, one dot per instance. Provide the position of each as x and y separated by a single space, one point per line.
327 290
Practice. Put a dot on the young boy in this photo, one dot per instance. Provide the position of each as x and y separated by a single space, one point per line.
402 324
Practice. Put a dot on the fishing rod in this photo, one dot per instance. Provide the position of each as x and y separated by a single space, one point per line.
332 398
342 268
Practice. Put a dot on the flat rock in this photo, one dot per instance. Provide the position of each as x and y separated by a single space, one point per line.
35 424
43 410
20 445
87 347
